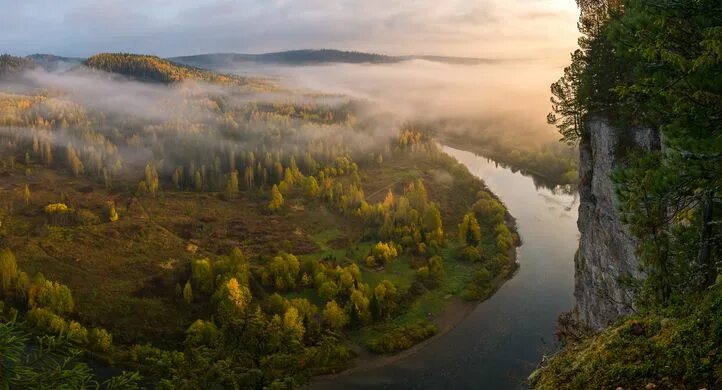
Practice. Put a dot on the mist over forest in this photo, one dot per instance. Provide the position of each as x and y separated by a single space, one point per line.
508 96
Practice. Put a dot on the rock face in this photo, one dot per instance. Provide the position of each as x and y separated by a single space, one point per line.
606 249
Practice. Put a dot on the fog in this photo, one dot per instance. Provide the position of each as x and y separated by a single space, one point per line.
505 100
503 97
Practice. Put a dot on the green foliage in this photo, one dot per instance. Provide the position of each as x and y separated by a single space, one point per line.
233 300
276 199
8 270
334 315
202 333
152 68
328 290
398 338
469 230
480 286
382 253
99 340
673 348
202 275
53 296
283 271
656 64
48 362
10 65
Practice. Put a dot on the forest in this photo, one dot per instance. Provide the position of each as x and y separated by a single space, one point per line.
653 64
171 227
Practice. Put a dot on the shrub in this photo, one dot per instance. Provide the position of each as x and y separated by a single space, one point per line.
480 285
328 291
398 338
470 253
99 340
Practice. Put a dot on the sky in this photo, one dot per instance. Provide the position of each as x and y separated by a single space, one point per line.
539 29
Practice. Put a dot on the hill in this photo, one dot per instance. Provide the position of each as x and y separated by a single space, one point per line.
52 63
11 64
156 69
293 57
310 57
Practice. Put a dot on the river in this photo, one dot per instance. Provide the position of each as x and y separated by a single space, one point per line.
505 337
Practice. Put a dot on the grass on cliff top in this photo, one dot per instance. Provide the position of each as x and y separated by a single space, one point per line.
680 348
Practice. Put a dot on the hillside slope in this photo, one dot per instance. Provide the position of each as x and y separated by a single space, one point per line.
156 69
311 57
658 350
10 64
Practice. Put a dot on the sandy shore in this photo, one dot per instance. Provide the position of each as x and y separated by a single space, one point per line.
454 312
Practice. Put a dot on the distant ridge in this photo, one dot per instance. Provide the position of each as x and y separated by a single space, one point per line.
11 65
52 63
311 57
155 69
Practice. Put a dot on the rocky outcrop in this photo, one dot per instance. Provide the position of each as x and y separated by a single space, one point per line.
606 255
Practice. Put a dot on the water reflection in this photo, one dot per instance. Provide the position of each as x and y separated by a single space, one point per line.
503 340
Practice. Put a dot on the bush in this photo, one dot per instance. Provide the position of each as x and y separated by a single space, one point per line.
470 253
99 340
398 338
202 333
328 291
480 285
54 296
382 253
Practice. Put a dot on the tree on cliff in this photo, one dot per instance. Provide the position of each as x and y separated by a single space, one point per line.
657 64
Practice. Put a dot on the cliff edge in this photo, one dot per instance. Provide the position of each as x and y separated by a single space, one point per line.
606 255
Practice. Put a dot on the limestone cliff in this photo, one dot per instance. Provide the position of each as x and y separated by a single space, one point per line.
606 250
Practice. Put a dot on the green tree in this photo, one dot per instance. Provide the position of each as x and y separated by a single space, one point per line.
284 270
233 299
188 292
328 290
232 185
311 187
99 340
202 275
469 230
334 315
8 269
276 199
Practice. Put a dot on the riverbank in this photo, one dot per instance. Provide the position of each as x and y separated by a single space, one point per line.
502 340
452 315
548 171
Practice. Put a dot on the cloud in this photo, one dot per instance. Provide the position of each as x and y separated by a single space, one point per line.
486 28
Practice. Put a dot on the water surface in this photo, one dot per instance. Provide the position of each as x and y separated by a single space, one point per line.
505 337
